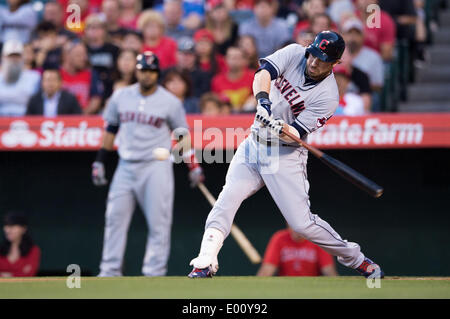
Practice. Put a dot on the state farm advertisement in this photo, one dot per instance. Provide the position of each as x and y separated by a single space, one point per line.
373 131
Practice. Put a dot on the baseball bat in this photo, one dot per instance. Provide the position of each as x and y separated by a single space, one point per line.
345 171
237 234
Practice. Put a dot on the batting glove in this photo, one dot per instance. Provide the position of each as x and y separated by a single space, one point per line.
276 126
263 111
98 174
196 176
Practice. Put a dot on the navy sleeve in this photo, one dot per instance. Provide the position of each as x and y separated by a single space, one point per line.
269 67
112 128
300 129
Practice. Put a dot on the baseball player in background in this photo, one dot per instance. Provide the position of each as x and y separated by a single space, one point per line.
296 91
146 114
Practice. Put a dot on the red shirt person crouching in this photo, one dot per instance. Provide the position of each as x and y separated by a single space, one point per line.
19 256
288 254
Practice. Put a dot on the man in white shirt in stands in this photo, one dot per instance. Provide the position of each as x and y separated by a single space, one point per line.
17 84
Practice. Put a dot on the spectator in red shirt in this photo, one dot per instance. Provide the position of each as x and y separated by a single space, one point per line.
19 256
81 80
289 254
129 13
236 83
208 59
152 26
380 37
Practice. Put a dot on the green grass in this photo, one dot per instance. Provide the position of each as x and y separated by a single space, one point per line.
226 287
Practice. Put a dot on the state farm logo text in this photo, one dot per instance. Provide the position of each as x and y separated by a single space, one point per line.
371 132
51 134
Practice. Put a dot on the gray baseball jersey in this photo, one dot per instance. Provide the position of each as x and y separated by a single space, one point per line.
282 169
308 105
145 123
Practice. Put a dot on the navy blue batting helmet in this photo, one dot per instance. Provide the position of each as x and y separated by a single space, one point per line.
147 61
328 46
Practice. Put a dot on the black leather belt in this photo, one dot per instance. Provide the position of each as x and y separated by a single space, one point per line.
269 143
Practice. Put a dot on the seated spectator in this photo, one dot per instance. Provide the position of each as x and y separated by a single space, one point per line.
19 256
236 83
111 15
52 100
81 80
270 32
126 69
179 84
363 57
186 62
54 13
208 59
17 21
321 22
152 26
350 104
359 83
29 57
232 4
129 13
380 38
211 105
247 44
173 14
17 84
420 34
193 12
304 37
48 52
132 40
339 10
102 54
310 8
289 254
222 27
403 12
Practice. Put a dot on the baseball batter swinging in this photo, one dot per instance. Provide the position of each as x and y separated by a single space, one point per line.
146 114
296 90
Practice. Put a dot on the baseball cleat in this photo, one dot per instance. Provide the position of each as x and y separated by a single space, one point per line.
201 273
369 269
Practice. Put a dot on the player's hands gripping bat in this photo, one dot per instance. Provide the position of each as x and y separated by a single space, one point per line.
98 174
345 171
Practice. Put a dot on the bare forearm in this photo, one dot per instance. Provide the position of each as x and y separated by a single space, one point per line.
108 141
261 82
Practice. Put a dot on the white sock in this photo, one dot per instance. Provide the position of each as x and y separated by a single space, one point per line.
211 243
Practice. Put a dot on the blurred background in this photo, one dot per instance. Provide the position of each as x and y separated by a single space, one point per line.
396 68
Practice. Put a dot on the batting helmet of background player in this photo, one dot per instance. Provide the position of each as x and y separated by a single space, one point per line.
147 61
328 46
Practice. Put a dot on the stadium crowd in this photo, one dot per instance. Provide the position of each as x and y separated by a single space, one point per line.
55 63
